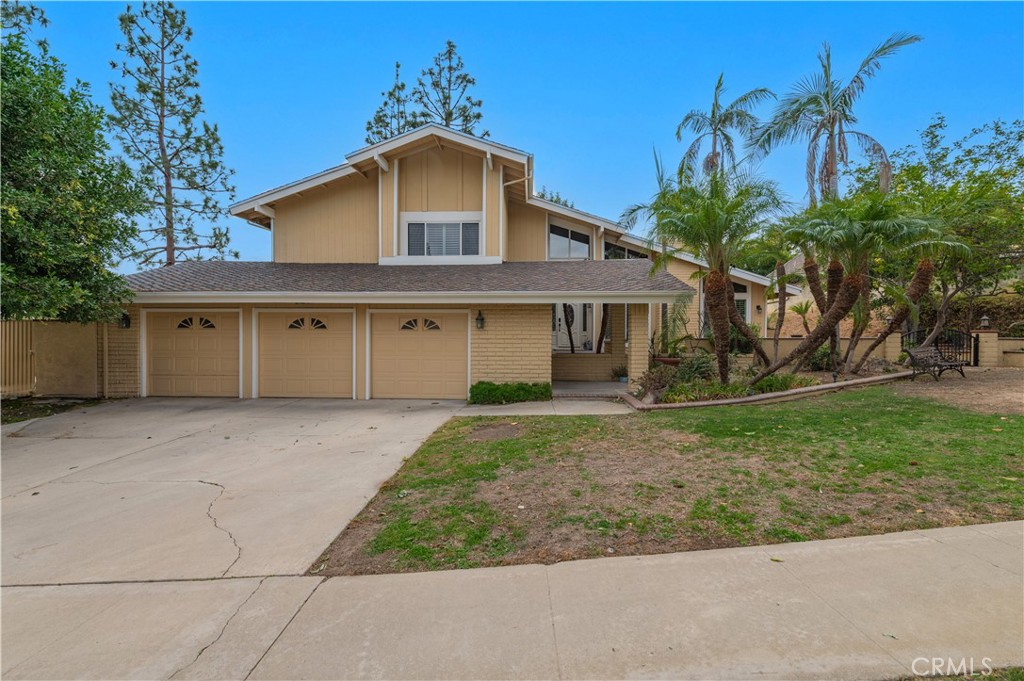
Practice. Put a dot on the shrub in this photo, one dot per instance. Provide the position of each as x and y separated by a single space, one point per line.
696 367
777 383
486 392
820 360
701 391
657 378
619 371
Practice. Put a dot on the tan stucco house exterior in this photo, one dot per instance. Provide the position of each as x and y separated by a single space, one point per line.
418 267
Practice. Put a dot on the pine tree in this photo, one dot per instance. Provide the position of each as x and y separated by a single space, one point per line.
157 111
393 116
443 92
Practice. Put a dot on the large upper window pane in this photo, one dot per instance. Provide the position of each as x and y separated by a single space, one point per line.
579 245
443 238
566 244
470 238
558 243
416 242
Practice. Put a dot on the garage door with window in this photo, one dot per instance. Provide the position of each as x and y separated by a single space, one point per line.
305 354
192 354
419 355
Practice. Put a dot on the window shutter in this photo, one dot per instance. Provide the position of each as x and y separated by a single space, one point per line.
451 238
416 244
435 239
470 238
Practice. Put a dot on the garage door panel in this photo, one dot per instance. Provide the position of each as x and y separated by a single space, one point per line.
419 362
305 354
192 353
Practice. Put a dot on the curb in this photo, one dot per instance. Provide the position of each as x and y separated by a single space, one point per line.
768 398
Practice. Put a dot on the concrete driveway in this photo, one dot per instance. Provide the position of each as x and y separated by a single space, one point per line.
171 489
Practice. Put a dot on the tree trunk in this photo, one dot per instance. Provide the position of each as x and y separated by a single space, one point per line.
717 301
812 271
858 331
741 325
599 346
780 317
568 327
919 285
165 162
846 297
834 278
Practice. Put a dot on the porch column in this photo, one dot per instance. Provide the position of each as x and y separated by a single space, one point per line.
637 349
988 347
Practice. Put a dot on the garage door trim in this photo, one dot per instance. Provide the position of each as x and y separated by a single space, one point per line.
275 310
144 341
413 310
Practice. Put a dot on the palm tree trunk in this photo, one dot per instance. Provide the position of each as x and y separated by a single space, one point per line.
812 271
834 278
741 325
599 346
846 298
780 317
568 327
919 285
717 301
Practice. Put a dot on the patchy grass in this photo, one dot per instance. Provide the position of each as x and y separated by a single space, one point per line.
22 409
495 491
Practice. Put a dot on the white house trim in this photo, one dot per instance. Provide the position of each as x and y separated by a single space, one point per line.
420 297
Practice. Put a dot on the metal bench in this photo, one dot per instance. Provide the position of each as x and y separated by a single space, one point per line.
930 361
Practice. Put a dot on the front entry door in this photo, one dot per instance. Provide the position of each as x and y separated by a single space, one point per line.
576 318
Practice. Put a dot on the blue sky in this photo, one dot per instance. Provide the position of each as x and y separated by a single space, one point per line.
588 88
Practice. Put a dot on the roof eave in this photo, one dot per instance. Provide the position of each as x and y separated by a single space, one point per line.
417 297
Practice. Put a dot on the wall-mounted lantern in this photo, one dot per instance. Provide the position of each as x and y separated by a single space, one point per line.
985 321
480 321
125 322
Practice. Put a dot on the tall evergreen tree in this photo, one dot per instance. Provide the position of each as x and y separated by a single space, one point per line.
19 17
443 92
157 113
393 116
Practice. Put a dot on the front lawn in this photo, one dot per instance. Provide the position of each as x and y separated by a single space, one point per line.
496 491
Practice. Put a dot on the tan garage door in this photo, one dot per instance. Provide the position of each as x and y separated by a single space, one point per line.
305 354
419 355
192 354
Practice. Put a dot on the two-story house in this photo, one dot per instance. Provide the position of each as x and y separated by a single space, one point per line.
418 267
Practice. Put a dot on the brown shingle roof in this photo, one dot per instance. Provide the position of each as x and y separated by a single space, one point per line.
612 276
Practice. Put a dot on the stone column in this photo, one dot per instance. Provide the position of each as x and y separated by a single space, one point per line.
988 347
637 349
891 347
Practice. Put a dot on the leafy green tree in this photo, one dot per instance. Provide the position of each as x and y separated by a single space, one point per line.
393 117
818 110
442 91
554 197
712 216
157 110
68 205
974 188
718 124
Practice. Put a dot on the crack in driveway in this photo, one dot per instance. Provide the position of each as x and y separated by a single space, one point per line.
209 508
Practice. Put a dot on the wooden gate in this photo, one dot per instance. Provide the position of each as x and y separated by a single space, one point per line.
18 359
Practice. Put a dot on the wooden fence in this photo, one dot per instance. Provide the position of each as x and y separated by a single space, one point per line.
17 366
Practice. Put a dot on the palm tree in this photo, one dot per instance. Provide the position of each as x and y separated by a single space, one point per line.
855 230
802 309
712 216
819 110
717 125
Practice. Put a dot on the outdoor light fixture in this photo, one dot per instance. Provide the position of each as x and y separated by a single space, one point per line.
480 319
125 322
985 321
758 309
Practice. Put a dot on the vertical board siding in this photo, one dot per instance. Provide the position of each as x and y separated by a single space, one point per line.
18 361
336 223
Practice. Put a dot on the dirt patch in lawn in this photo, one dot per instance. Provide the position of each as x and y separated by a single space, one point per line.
497 491
998 390
14 410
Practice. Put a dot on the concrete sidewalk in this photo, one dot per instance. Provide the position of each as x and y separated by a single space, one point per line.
865 607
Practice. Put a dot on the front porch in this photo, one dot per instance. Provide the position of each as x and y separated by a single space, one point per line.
622 350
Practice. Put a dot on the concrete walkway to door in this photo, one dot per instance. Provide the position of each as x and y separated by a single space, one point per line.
868 608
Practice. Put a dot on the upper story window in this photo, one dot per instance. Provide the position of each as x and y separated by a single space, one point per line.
443 238
616 252
567 244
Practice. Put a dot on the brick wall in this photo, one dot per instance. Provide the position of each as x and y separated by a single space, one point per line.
588 366
514 345
122 357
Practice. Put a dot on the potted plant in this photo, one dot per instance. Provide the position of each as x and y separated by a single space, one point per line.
620 373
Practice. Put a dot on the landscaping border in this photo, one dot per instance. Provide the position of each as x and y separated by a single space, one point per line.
767 398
